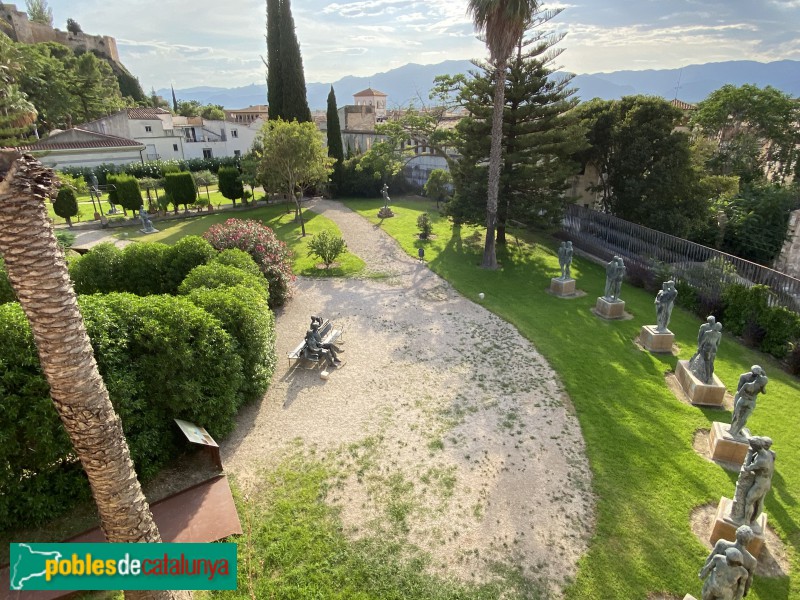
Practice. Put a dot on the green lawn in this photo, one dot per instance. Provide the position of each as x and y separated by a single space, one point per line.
647 477
275 217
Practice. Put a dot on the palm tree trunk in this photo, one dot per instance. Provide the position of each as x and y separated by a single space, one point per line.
495 156
38 274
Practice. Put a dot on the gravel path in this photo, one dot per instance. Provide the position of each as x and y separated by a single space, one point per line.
449 429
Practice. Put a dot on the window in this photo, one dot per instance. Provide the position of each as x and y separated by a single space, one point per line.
207 153
237 152
148 129
234 133
175 147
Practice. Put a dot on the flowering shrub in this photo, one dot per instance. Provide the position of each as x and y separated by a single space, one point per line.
259 241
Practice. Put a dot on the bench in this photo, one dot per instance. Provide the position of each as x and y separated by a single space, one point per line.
329 334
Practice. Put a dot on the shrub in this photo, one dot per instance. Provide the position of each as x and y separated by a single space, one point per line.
164 202
181 187
76 182
794 358
768 328
126 192
215 276
245 315
189 252
6 291
204 177
66 204
65 239
781 326
142 269
327 247
230 183
233 257
424 225
271 255
96 271
744 305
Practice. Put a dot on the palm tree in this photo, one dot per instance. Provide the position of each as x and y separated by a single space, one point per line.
38 274
502 23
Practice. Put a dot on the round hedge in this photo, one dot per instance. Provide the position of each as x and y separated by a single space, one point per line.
215 275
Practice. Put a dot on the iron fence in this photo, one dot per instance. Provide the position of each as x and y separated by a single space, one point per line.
706 270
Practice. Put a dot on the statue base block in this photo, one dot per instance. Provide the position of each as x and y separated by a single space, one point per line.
654 341
610 310
725 529
385 212
724 446
562 287
704 394
689 597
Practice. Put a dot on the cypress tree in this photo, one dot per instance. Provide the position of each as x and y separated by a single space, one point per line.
274 66
335 148
293 82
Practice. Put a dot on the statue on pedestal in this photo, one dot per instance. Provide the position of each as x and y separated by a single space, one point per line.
665 301
725 577
147 224
615 273
755 480
744 535
385 194
702 363
565 252
751 384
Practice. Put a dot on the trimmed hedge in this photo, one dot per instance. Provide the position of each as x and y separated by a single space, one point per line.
215 275
181 188
161 357
126 193
66 204
153 168
233 257
230 183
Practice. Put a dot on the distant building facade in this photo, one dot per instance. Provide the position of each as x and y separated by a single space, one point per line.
83 148
248 115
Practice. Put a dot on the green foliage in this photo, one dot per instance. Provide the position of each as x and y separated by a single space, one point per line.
66 204
164 202
747 309
76 182
65 239
126 191
73 27
424 226
17 113
233 257
439 185
245 315
274 65
216 275
39 12
6 291
142 269
230 183
284 60
181 188
335 148
96 271
327 247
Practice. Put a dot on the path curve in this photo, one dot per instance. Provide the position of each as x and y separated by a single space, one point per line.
440 401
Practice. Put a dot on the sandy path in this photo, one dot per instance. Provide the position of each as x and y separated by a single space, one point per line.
449 427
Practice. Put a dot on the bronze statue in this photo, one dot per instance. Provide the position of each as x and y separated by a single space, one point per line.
615 273
751 384
755 480
725 577
702 363
665 301
744 535
565 259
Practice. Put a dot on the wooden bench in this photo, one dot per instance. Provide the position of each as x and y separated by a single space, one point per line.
329 335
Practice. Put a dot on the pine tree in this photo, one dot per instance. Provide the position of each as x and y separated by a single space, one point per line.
335 148
539 136
293 82
274 66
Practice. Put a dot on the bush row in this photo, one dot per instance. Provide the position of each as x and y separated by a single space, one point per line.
154 169
197 357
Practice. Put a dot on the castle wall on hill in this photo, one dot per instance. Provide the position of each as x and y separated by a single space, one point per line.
22 30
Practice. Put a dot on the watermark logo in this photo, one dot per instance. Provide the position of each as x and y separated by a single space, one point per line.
123 567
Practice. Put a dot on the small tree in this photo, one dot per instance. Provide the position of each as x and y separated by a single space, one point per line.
126 192
181 188
424 225
230 183
438 186
327 247
73 27
66 204
39 12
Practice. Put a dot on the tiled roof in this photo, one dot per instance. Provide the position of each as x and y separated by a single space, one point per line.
249 109
683 105
146 114
95 140
369 92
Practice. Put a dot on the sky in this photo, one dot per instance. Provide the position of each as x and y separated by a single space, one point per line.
192 43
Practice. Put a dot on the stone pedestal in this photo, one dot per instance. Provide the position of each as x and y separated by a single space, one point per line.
689 597
724 529
385 212
562 287
610 310
724 446
704 394
654 341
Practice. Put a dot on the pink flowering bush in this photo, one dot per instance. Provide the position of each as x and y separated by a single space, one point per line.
259 241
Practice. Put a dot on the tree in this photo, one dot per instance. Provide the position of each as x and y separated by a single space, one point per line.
274 65
16 112
284 66
94 86
646 166
502 23
540 135
39 12
181 188
755 130
73 27
439 185
335 148
66 204
294 159
230 183
327 247
213 112
39 275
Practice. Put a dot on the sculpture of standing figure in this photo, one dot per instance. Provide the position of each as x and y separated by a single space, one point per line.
147 224
702 363
725 577
665 300
744 535
615 272
751 384
707 326
619 276
385 194
565 259
755 480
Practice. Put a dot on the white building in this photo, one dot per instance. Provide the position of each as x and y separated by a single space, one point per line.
81 148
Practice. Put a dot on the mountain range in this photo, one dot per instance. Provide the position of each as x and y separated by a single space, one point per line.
412 83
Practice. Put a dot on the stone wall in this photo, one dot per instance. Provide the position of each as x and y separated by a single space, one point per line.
22 30
789 260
